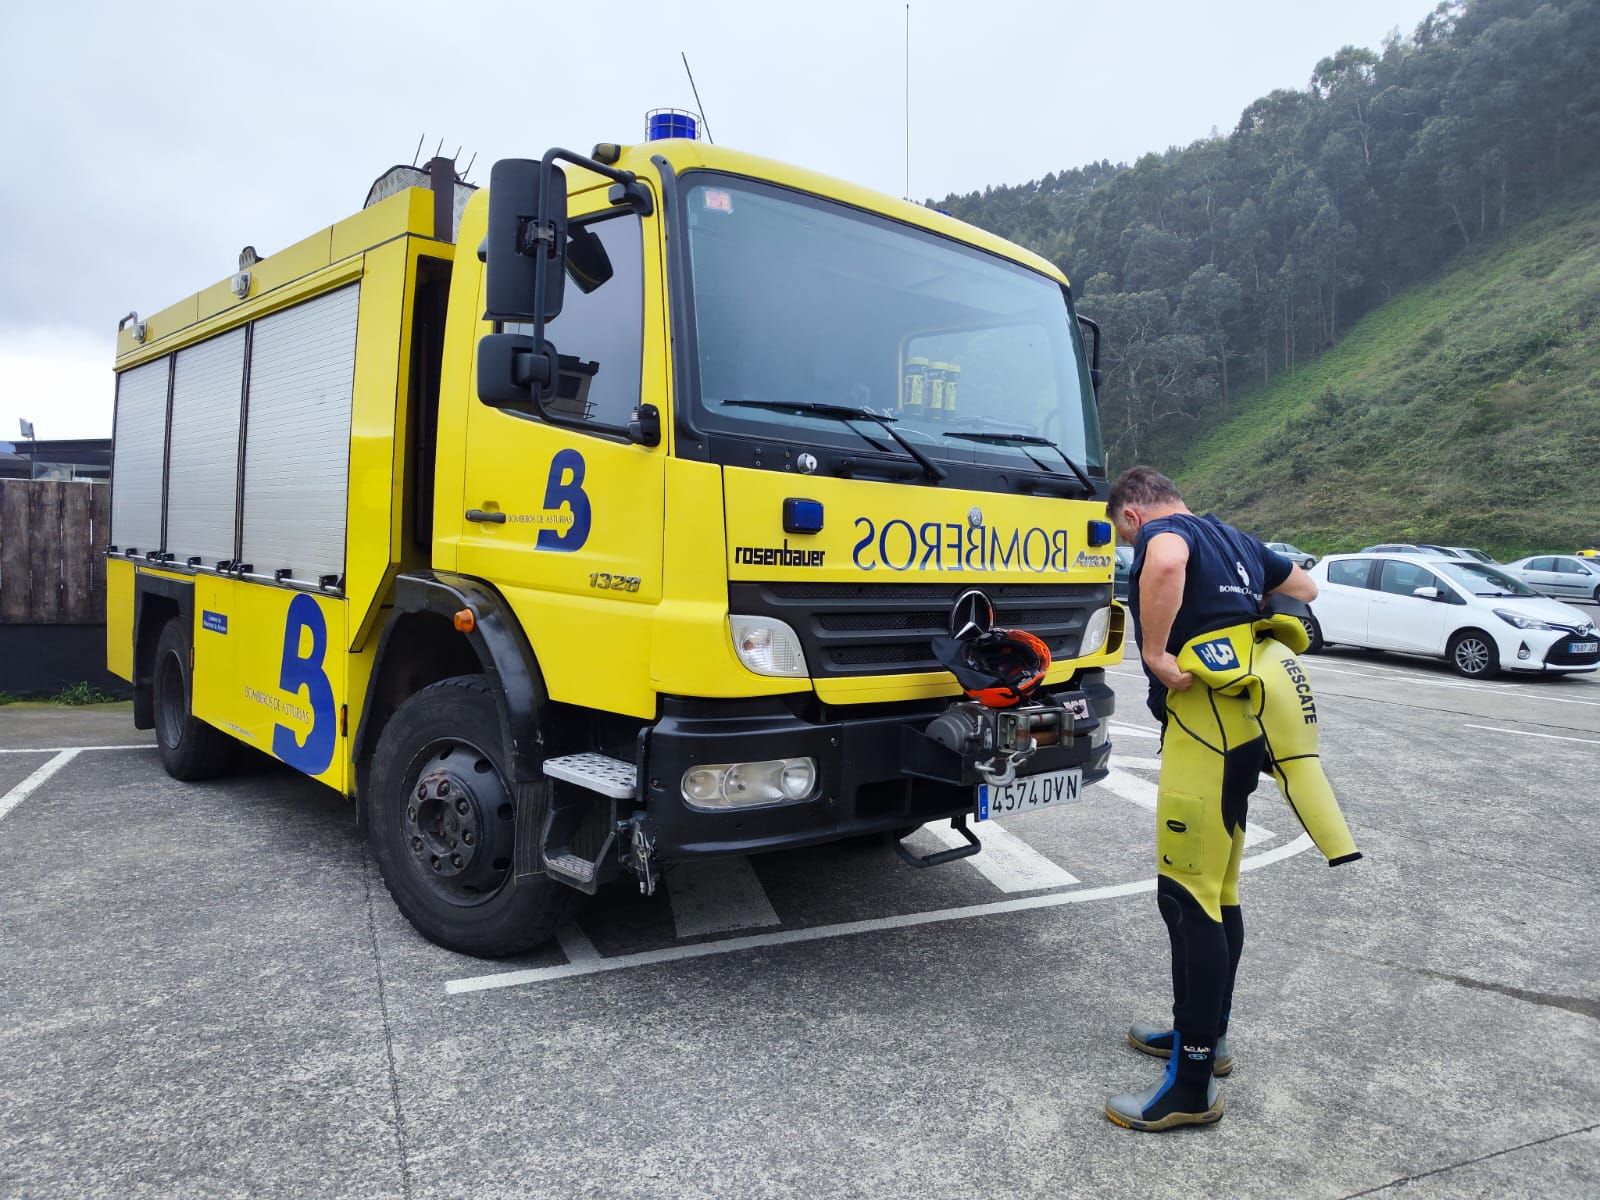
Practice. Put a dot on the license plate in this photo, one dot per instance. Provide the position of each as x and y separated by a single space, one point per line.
1036 791
1584 647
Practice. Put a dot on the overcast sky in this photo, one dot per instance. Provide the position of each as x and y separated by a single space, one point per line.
151 141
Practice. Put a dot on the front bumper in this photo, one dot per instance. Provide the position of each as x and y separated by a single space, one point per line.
863 758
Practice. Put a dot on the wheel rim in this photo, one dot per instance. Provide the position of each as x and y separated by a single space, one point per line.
458 823
171 705
1472 656
1311 629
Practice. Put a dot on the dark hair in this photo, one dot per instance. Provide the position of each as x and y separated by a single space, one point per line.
1139 486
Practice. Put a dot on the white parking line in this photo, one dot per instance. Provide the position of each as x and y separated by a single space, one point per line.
1134 731
1554 737
29 785
77 749
1143 793
1456 685
783 937
575 944
1006 860
717 896
1124 762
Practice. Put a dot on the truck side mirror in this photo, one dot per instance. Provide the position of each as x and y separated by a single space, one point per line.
527 244
1096 375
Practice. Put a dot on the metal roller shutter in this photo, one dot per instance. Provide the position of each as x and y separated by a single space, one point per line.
297 438
140 446
203 463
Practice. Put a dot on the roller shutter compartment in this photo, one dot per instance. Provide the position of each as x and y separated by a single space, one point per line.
203 464
297 438
139 450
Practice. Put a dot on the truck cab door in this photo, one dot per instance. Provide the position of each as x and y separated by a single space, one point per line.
567 521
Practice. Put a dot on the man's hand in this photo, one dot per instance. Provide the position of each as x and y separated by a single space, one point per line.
1165 668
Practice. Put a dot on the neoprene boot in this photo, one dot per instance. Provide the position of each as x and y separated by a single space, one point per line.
1156 1041
1186 1095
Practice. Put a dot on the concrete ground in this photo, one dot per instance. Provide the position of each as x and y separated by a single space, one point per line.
208 992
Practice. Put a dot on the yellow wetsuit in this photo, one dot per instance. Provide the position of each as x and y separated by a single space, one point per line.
1251 704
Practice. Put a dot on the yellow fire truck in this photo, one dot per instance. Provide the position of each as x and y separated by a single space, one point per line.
606 519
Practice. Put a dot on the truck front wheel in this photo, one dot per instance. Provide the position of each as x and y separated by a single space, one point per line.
442 823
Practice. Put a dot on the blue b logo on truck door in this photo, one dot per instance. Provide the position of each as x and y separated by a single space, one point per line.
564 488
306 673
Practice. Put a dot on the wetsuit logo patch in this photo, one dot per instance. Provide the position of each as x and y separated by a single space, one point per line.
1218 654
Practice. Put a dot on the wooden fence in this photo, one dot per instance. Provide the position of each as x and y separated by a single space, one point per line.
52 541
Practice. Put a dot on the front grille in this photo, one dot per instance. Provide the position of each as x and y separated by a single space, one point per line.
1562 654
888 628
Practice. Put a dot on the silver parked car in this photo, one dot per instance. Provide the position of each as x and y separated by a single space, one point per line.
1564 576
1295 555
1471 552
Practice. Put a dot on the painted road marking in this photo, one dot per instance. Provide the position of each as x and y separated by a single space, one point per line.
1134 731
1143 793
1124 762
1457 685
717 896
784 937
575 944
1006 860
1555 737
74 749
31 784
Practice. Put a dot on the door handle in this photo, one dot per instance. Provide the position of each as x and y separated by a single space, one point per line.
487 518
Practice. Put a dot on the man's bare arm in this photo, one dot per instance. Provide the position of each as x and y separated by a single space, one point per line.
1299 585
1161 579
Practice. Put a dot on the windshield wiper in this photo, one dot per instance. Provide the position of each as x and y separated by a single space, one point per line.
845 412
1024 439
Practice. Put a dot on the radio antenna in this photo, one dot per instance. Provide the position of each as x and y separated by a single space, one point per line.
698 107
419 148
908 101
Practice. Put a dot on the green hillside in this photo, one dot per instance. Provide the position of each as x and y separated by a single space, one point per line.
1465 410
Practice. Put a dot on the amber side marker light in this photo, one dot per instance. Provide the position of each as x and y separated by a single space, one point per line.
466 622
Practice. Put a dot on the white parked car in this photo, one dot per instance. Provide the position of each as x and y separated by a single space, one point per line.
1479 618
1563 575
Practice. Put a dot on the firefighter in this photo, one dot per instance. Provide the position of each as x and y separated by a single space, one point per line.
1233 700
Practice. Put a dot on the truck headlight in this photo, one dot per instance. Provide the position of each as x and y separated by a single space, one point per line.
734 785
1095 632
767 646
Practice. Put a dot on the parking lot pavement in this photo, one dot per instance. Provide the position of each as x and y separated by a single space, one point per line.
207 991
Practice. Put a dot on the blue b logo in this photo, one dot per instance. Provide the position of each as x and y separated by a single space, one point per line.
564 488
307 673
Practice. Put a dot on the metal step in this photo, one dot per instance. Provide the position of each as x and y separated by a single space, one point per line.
573 868
597 772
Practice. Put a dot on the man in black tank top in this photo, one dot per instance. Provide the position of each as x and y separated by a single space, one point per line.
1192 576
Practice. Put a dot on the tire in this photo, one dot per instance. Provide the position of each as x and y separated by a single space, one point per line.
1596 596
442 824
1314 634
1473 653
190 749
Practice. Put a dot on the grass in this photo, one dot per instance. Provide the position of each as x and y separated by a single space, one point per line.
73 696
1464 411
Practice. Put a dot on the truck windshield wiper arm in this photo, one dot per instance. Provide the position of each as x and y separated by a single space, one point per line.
1024 439
846 412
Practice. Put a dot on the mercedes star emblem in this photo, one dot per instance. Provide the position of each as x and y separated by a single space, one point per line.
971 615
975 516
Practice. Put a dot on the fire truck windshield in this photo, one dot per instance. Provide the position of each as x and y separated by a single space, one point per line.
807 301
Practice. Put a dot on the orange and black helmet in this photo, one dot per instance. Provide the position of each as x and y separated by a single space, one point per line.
999 668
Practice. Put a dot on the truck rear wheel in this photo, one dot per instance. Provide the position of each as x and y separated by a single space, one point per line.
190 749
442 824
